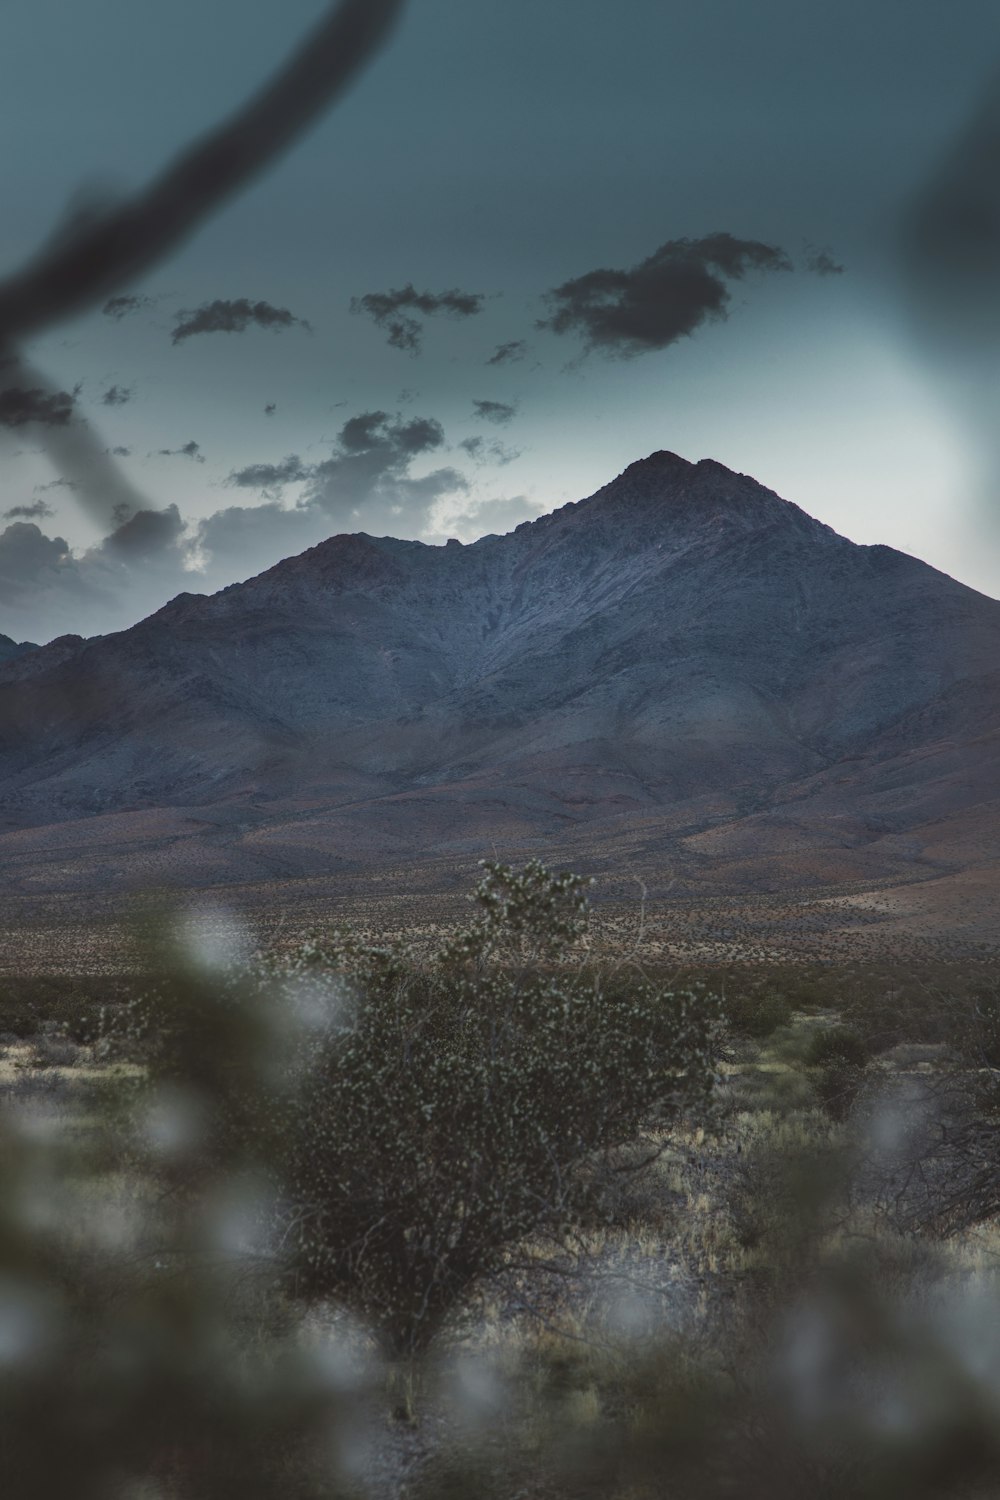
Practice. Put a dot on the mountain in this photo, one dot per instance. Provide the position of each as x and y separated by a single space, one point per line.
9 649
683 666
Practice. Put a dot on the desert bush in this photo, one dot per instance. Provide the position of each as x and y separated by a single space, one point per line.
838 1087
757 1014
51 1050
450 1111
75 1005
839 1045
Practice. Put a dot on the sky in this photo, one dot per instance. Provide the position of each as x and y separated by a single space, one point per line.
533 243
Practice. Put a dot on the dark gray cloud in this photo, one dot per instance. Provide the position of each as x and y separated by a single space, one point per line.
145 535
664 298
117 395
121 451
121 306
268 477
37 510
487 450
224 316
367 481
135 569
822 263
374 432
509 353
186 450
26 554
395 311
499 412
21 405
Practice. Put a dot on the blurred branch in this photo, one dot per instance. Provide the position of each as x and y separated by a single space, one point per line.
101 250
108 251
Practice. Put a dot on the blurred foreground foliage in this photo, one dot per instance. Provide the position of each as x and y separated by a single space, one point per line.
232 1261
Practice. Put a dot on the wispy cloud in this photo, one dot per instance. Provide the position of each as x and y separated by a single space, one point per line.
117 395
822 263
499 412
236 316
186 450
37 510
23 405
509 353
124 305
395 311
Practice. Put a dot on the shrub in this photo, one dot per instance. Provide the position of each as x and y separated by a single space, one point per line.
452 1116
836 1044
757 1014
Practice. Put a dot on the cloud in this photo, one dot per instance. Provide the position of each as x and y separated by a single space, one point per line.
38 510
622 313
367 481
246 539
500 412
222 316
46 590
121 307
186 450
146 534
56 484
117 395
371 480
122 452
484 451
394 311
270 409
26 554
822 263
268 477
491 517
21 405
509 353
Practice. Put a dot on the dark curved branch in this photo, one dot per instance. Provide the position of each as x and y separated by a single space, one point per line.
108 252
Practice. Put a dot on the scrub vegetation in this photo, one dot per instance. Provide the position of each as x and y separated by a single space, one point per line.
501 1217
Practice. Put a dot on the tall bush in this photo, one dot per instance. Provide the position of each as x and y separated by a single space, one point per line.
448 1113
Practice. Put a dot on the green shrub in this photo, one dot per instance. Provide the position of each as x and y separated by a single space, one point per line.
757 1014
836 1044
449 1111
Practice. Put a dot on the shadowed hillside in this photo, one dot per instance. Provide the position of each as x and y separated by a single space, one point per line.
683 668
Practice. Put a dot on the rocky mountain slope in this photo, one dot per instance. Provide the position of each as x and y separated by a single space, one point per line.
9 649
683 653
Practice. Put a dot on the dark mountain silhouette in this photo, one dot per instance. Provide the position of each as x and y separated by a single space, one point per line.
9 649
683 667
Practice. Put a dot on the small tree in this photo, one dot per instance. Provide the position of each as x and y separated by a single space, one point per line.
452 1117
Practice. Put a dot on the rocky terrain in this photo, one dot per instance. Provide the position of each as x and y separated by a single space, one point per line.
9 649
684 677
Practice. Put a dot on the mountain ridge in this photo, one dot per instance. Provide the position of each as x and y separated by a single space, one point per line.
682 646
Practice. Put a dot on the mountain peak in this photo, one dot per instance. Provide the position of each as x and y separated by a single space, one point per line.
680 646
